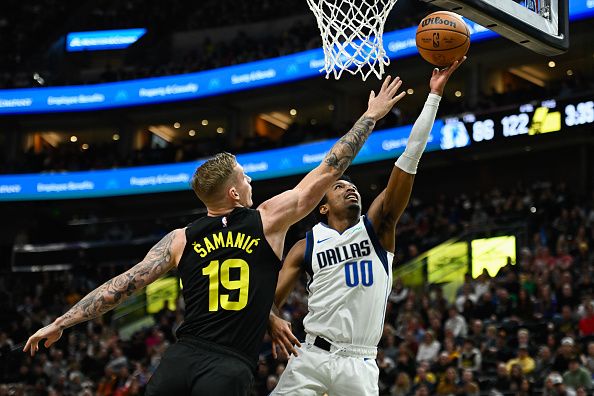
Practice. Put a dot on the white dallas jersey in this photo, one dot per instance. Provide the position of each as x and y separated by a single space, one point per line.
350 280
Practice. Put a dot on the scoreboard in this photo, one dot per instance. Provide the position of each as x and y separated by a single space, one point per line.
534 118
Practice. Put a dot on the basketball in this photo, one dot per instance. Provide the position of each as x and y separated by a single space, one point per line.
442 37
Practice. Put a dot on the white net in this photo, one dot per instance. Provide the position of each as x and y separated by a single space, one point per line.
352 33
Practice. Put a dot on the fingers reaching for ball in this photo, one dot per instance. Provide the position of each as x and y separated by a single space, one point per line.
440 77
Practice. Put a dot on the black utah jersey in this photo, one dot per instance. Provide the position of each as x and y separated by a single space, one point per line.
229 273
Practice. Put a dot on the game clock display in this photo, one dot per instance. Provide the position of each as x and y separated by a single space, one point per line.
535 118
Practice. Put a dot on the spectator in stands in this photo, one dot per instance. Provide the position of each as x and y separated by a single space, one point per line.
554 386
566 322
516 376
452 350
456 323
405 363
523 359
442 365
467 295
476 333
402 386
577 376
485 308
526 388
467 385
588 358
429 348
424 377
524 339
587 322
448 385
399 292
504 305
501 382
470 357
564 354
524 307
544 362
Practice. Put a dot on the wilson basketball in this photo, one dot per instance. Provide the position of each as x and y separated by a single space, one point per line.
442 38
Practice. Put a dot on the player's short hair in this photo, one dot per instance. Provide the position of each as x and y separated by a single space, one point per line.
212 175
324 218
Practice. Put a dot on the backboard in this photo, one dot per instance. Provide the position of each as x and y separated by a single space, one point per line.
540 25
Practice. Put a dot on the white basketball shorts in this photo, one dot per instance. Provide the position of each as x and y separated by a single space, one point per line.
318 372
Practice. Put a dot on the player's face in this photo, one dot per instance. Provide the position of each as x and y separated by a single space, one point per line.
243 186
343 195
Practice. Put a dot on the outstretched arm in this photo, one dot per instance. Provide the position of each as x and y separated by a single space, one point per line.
280 329
160 259
387 208
281 211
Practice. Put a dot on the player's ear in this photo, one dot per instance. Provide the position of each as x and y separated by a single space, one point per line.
324 209
233 193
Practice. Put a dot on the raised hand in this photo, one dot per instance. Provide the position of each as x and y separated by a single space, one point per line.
440 77
50 332
381 104
282 337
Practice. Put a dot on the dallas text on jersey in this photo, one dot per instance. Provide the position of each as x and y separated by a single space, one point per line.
339 254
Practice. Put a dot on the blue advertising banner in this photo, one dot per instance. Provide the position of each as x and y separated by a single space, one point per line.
103 39
398 44
262 165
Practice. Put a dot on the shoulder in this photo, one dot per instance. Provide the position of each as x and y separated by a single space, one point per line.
299 247
296 255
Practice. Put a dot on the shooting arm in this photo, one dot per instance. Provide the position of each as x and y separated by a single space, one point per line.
387 208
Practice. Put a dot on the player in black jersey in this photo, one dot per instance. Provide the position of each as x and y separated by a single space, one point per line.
228 262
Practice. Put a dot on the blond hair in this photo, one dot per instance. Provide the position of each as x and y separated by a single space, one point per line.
212 175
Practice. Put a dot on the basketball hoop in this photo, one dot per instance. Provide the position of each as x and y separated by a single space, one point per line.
352 33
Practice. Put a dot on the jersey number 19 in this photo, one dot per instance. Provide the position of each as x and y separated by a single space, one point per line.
220 274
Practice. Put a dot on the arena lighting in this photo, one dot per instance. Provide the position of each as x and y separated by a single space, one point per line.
458 93
192 132
102 40
552 64
293 112
569 72
410 91
73 139
177 125
220 130
204 122
116 137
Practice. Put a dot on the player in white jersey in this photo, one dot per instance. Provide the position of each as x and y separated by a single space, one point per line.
348 259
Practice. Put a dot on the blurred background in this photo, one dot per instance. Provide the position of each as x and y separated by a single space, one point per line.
100 133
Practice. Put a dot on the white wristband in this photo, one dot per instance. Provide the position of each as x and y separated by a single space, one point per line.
409 160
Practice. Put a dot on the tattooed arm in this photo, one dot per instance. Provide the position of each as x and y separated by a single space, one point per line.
159 260
281 211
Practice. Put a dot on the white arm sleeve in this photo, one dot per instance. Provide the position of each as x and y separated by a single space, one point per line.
409 160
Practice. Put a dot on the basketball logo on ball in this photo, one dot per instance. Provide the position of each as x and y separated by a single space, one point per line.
442 38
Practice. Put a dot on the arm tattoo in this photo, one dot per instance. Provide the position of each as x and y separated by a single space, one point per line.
157 262
344 151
